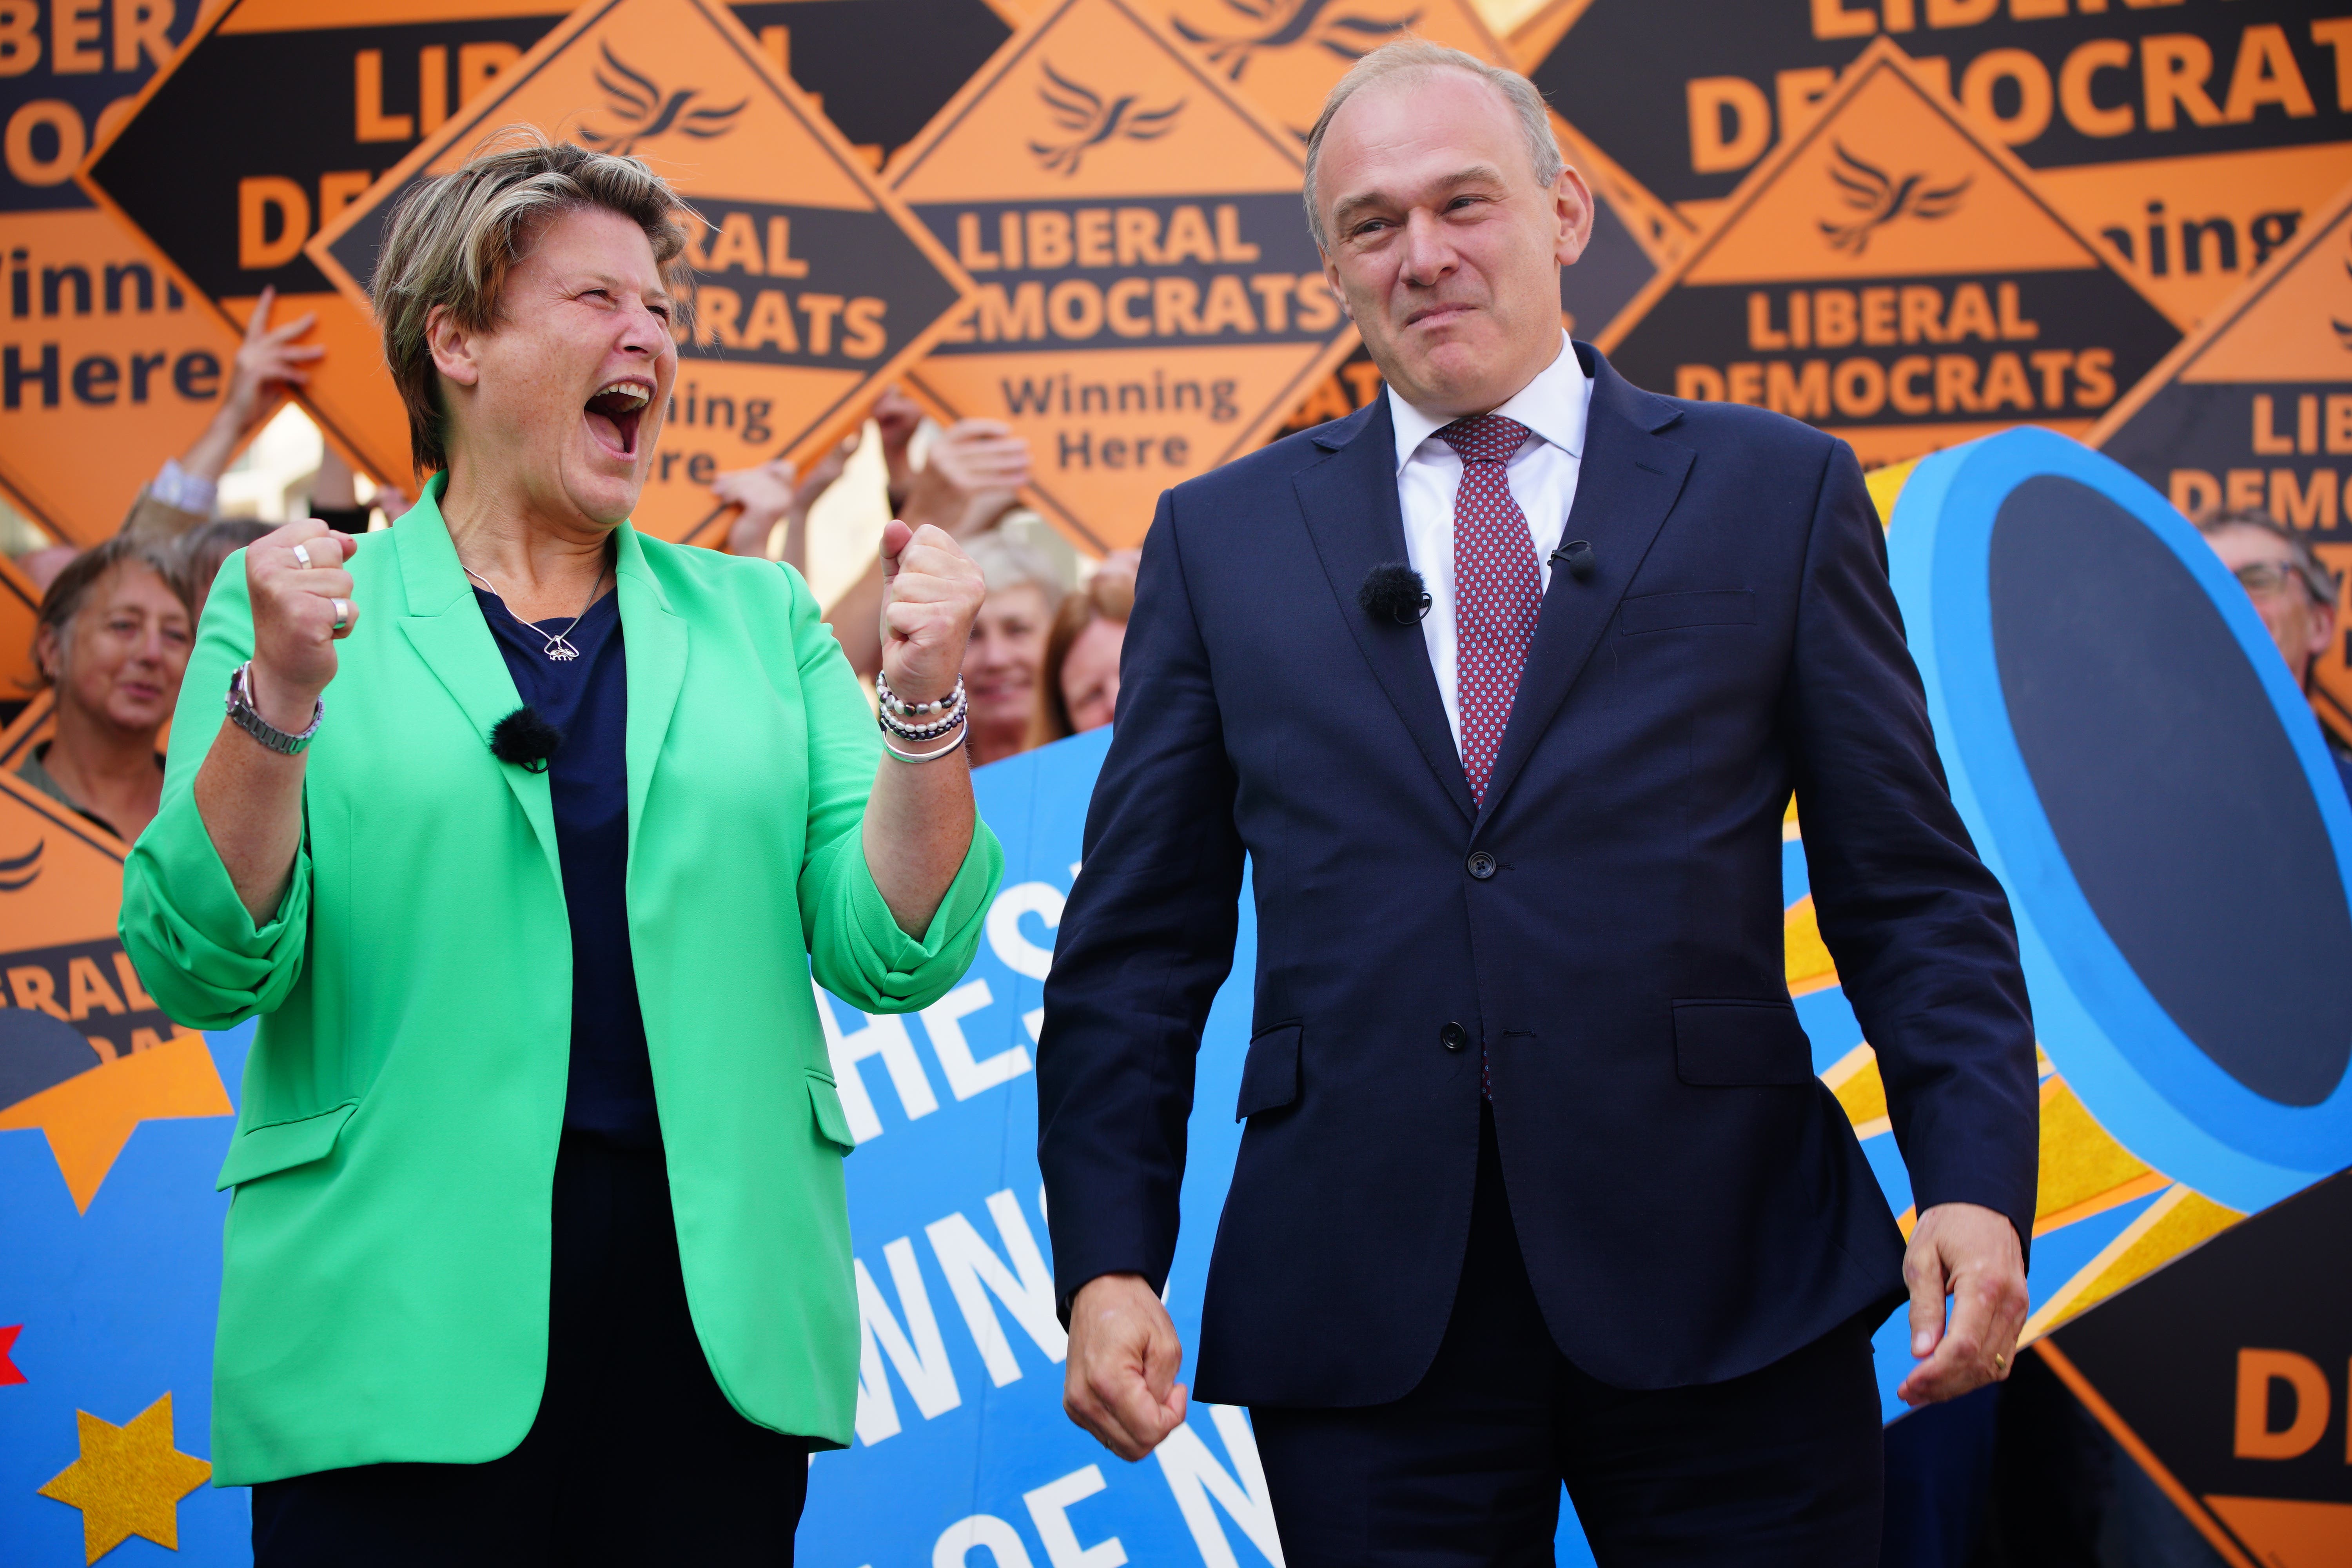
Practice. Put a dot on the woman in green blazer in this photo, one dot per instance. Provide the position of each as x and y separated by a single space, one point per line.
538 1251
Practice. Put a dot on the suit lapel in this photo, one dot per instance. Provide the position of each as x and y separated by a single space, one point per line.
445 626
1350 500
657 642
1626 486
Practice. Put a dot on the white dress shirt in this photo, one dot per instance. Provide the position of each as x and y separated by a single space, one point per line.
1542 475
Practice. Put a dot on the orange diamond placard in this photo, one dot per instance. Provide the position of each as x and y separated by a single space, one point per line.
815 286
2254 412
1148 301
86 1055
1893 275
107 365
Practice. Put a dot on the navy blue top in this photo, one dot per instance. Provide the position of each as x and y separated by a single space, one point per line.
612 1083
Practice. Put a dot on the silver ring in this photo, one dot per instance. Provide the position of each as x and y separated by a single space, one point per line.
302 555
342 613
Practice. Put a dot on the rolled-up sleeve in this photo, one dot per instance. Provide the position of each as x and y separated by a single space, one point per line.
856 945
196 948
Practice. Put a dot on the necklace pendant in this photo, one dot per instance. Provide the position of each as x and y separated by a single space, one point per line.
559 648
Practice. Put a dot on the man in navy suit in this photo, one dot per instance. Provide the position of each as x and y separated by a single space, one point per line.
1539 1183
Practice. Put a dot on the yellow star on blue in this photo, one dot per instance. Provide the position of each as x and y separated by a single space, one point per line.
129 1480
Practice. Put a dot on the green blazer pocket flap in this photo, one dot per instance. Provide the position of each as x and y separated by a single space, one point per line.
1668 612
831 1121
1734 1043
1270 1071
282 1145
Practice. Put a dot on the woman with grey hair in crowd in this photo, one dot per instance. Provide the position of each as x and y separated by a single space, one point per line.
539 1251
111 644
1006 661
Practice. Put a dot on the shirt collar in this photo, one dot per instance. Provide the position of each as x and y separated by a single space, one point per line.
1552 405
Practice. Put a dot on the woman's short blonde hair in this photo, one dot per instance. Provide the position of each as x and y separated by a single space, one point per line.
453 240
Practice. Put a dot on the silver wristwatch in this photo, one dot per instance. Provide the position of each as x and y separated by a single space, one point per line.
242 713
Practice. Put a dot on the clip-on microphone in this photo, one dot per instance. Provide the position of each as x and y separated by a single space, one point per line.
525 739
1576 556
1394 591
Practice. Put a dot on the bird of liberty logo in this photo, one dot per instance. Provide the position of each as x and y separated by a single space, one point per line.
1283 23
21 871
1879 198
645 111
1092 120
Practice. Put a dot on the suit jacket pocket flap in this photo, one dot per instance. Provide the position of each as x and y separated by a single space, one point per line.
1270 1074
282 1145
831 1121
1729 1043
1666 612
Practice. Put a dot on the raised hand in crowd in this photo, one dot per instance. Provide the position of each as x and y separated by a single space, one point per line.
251 796
971 477
270 363
896 417
774 490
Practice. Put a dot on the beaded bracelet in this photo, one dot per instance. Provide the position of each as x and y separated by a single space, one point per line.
931 732
892 703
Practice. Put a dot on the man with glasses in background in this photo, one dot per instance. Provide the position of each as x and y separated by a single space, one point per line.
2293 593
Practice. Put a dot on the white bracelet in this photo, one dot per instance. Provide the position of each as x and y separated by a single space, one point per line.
962 736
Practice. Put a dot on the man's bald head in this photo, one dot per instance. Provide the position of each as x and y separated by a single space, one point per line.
1410 57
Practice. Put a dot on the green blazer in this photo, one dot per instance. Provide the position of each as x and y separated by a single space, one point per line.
384 1285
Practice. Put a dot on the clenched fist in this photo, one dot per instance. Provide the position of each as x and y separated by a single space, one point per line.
931 594
300 613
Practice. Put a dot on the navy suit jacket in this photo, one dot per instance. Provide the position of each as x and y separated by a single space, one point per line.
1691 1202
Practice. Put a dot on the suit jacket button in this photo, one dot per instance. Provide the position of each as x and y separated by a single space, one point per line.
1481 864
1453 1036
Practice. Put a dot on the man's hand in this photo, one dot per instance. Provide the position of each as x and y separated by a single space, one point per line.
1120 1381
1970 1253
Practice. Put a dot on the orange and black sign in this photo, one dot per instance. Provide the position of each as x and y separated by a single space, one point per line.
86 1055
276 116
1894 276
2188 137
1148 302
2254 411
106 364
2223 1374
814 284
282 113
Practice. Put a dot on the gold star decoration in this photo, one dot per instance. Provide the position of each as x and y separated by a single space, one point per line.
129 1480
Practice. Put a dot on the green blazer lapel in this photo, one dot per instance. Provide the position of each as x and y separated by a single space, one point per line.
445 626
655 638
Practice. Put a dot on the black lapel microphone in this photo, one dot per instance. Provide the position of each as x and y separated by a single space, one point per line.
525 739
1576 556
1394 591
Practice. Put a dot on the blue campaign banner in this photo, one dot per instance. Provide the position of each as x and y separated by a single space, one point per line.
963 1458
106 1322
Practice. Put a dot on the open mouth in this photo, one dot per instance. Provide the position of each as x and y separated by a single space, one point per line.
615 413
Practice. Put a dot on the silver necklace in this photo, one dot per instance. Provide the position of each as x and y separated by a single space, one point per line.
559 644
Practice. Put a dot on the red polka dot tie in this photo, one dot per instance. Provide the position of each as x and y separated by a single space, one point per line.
1497 588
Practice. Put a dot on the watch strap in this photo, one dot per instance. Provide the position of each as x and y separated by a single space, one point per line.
246 717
